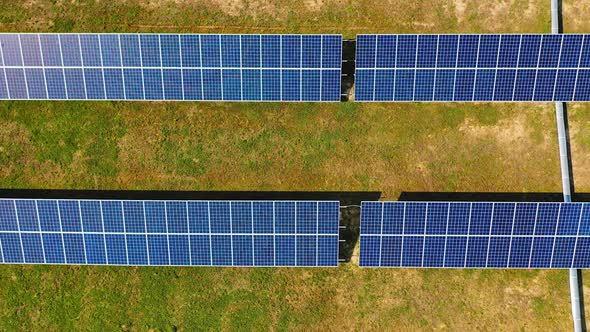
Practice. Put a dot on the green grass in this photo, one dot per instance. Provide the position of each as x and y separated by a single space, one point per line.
203 146
384 147
346 17
108 298
388 148
580 114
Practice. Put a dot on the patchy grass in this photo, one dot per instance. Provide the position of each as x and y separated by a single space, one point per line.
389 148
212 146
164 298
207 146
58 143
579 117
281 16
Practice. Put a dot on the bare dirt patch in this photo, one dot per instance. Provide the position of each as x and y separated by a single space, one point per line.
137 149
575 15
460 7
14 143
314 5
493 15
508 132
47 173
11 134
231 7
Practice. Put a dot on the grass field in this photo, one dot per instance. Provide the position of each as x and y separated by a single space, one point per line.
390 148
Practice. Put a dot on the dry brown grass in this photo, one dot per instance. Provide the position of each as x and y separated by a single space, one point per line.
207 146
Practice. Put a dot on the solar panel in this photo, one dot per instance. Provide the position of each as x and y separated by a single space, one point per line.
528 67
184 233
475 235
170 67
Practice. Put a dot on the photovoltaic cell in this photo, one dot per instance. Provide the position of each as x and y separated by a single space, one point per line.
170 67
184 233
528 67
475 235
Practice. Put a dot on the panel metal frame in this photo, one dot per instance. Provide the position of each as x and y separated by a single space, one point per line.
470 234
125 233
366 70
161 68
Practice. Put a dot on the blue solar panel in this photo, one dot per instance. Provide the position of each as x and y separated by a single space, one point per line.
475 235
170 67
191 233
531 67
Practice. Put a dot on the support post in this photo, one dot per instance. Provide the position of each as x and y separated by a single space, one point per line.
566 182
560 116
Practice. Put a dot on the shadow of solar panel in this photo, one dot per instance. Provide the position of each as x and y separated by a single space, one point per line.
180 233
475 235
170 67
531 67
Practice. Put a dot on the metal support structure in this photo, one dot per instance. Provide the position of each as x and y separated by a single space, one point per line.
560 116
555 21
566 182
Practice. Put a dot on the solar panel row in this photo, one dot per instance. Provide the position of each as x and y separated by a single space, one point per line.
475 235
170 67
530 67
215 233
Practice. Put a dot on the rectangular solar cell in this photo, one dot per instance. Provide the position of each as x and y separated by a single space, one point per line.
170 67
475 235
184 233
471 67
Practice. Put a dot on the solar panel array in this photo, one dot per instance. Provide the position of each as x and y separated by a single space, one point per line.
214 233
475 235
170 67
530 67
